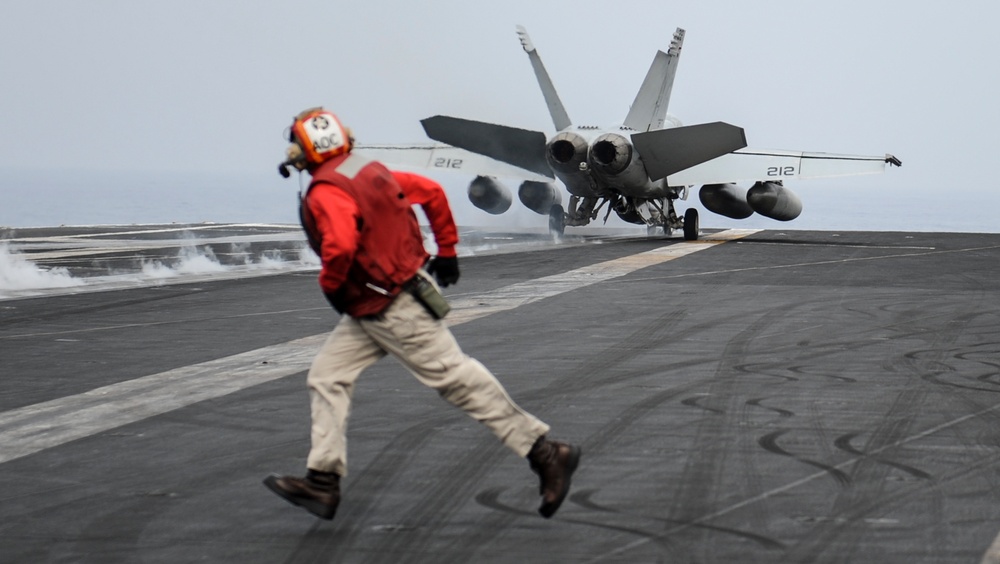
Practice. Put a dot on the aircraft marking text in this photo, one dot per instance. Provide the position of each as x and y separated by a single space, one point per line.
781 171
447 163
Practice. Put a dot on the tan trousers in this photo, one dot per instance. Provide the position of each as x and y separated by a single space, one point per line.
426 347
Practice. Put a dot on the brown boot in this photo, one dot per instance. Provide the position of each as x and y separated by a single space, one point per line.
317 493
554 462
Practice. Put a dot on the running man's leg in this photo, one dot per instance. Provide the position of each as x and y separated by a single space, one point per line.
347 352
427 348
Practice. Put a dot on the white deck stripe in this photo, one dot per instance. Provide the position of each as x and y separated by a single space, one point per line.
523 293
33 428
992 555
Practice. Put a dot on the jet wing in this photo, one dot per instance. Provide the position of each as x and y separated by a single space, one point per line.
435 156
749 165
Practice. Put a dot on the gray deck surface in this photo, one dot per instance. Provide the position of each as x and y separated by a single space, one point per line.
785 397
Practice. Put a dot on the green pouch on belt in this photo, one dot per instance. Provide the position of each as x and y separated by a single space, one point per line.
429 296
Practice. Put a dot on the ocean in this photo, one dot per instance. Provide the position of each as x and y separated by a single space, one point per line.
93 198
46 198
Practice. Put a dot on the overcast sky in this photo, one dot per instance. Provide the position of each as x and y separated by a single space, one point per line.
203 86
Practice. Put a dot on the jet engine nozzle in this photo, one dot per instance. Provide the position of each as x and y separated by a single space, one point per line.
725 199
773 200
566 152
539 197
489 195
611 153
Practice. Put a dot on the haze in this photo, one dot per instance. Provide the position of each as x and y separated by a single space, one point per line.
131 112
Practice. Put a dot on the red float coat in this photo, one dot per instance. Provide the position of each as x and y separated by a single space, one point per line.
359 220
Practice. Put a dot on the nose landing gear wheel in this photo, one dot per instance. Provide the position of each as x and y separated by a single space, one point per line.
691 224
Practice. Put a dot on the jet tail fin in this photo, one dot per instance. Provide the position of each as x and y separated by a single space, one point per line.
559 116
519 147
649 110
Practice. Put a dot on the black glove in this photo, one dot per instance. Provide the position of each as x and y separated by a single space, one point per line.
444 269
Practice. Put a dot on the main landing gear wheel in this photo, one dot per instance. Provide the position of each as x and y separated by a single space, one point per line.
691 224
557 220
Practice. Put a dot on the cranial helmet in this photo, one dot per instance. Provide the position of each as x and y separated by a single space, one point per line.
316 136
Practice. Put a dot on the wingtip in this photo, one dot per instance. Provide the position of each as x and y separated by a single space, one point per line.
892 160
526 43
677 42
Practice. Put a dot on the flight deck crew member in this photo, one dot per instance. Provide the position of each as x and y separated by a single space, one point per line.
358 218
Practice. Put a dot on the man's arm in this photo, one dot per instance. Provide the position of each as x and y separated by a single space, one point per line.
336 215
431 197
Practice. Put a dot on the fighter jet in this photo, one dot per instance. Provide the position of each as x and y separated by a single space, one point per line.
636 169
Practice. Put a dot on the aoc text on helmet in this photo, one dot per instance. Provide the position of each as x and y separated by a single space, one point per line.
321 135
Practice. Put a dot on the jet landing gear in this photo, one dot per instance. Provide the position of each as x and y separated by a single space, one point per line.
581 212
691 224
669 221
557 220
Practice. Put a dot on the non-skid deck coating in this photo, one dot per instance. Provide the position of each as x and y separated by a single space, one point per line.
781 397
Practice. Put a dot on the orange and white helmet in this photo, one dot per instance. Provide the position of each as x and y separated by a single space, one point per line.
321 135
